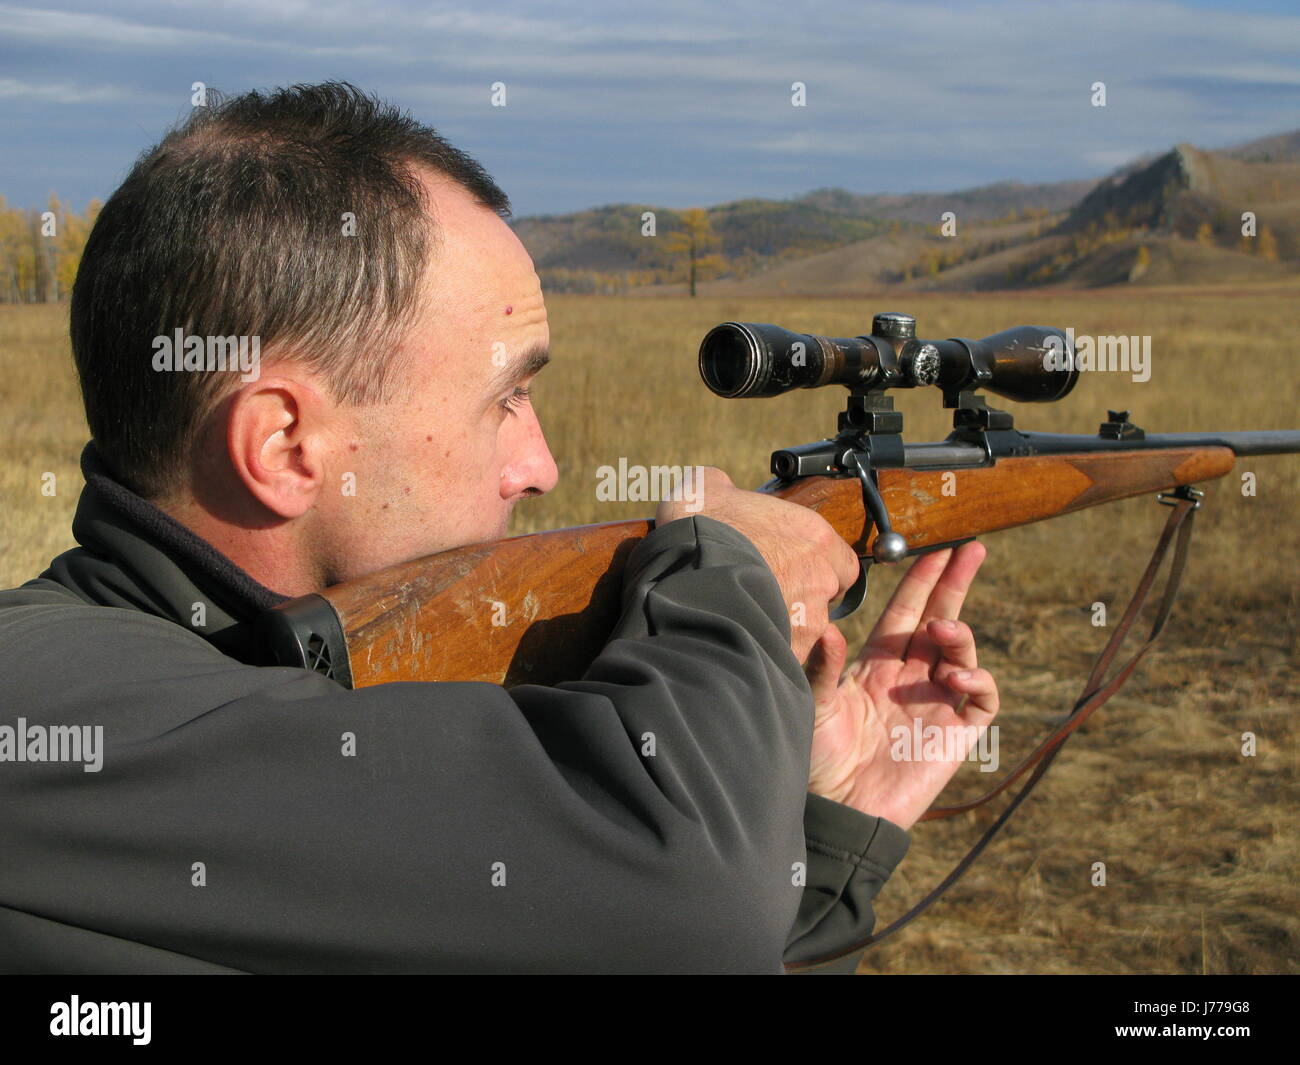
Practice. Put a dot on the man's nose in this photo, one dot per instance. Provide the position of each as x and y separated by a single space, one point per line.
534 471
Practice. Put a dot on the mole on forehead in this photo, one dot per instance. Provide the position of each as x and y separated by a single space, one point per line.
528 310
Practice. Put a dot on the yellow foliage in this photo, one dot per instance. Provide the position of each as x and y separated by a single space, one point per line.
1267 245
695 241
38 266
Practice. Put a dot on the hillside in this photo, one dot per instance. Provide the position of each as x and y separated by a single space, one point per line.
1177 219
604 248
1187 208
913 256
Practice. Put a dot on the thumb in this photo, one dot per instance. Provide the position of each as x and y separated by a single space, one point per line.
825 665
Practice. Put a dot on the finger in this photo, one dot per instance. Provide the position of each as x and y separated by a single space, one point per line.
954 582
946 599
891 634
953 643
980 687
844 560
825 665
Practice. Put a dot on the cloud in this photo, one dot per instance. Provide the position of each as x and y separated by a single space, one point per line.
63 92
1110 158
903 96
61 29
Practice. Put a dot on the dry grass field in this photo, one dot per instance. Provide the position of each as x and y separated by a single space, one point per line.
1199 842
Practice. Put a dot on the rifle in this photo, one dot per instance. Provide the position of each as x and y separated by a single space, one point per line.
433 618
444 617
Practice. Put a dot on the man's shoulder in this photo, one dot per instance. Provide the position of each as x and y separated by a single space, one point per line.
57 649
49 607
64 659
39 592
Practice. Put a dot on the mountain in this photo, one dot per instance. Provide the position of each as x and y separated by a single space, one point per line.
984 203
1181 217
1280 148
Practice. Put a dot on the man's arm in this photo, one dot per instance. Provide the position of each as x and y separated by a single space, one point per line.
849 856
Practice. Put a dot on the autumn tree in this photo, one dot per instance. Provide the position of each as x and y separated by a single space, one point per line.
74 229
1267 245
699 243
1141 263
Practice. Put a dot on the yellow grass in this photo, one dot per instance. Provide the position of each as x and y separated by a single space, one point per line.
1199 842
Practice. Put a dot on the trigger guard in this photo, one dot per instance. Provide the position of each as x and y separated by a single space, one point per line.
855 595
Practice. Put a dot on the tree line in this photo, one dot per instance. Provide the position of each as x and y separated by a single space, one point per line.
40 249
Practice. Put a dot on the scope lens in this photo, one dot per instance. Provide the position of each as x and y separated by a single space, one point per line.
727 360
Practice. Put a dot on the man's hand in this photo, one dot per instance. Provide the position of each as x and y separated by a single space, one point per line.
919 662
812 565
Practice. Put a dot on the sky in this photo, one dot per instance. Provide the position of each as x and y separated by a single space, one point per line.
674 104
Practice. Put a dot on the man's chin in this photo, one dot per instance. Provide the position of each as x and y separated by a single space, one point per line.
498 532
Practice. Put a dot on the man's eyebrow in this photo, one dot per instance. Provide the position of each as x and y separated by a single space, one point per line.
527 363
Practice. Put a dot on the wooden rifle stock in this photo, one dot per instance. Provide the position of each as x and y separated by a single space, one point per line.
537 609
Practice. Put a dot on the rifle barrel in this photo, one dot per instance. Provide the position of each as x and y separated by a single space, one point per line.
1260 442
957 452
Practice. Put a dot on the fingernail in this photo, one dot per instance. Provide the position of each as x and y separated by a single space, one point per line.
963 674
948 626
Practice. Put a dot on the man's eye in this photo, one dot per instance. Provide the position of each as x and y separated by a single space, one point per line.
516 399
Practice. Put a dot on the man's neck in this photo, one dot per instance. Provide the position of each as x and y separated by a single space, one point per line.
270 552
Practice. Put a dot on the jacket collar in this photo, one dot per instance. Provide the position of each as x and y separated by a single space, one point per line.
135 556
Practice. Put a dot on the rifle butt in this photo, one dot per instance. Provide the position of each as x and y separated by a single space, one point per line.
527 610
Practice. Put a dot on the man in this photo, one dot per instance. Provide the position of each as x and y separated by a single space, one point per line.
247 817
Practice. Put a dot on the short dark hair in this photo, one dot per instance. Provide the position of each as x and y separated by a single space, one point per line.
234 224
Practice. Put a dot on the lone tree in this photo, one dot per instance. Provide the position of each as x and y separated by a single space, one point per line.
1141 263
1267 245
699 242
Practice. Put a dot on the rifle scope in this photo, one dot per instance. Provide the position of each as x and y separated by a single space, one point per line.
748 359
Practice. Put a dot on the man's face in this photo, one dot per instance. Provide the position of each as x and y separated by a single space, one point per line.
444 466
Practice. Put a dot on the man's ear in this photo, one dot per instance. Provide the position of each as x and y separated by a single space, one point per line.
275 439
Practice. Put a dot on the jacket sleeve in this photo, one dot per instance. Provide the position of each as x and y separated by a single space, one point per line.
850 856
644 818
